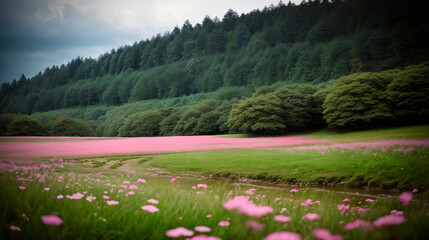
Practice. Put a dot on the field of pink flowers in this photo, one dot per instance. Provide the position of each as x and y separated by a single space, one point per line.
116 146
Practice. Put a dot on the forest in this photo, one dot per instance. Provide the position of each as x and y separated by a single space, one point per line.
351 64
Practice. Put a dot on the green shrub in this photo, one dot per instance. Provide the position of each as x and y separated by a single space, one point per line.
25 126
67 126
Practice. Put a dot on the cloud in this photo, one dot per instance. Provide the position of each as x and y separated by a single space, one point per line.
40 33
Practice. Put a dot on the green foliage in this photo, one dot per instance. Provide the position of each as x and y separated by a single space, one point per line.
409 94
25 126
169 123
67 126
260 114
142 124
358 101
5 120
190 117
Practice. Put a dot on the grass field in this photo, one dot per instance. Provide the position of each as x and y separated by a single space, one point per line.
91 185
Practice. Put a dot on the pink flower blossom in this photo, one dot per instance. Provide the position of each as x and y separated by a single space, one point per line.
124 186
150 208
343 208
173 180
250 191
140 180
346 200
389 220
208 216
22 187
307 202
106 197
60 197
399 213
359 223
406 197
90 198
369 200
277 199
112 202
127 182
180 231
324 234
202 186
130 193
153 201
415 190
281 218
311 216
203 237
243 205
224 223
15 228
194 187
133 187
51 220
75 196
293 190
202 229
283 236
47 189
255 225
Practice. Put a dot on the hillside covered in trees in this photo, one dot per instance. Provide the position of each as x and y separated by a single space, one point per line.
284 58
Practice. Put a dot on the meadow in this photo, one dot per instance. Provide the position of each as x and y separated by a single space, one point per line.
223 193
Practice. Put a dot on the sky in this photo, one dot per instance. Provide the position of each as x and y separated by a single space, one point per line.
36 34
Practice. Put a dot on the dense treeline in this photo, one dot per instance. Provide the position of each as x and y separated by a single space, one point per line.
355 101
313 42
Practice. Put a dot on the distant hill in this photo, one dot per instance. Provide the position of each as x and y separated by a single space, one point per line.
308 43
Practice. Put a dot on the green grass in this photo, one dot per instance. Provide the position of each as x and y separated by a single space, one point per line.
354 168
410 132
182 206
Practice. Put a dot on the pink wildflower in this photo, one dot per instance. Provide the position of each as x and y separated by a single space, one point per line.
324 234
133 187
369 200
399 213
359 223
51 220
224 223
173 180
150 208
15 228
243 205
180 231
293 190
153 201
127 182
140 180
250 191
208 216
346 200
202 229
22 187
60 197
283 236
47 189
389 220
112 202
311 216
281 218
90 198
106 197
415 190
124 186
75 196
406 197
202 186
194 187
255 225
130 193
